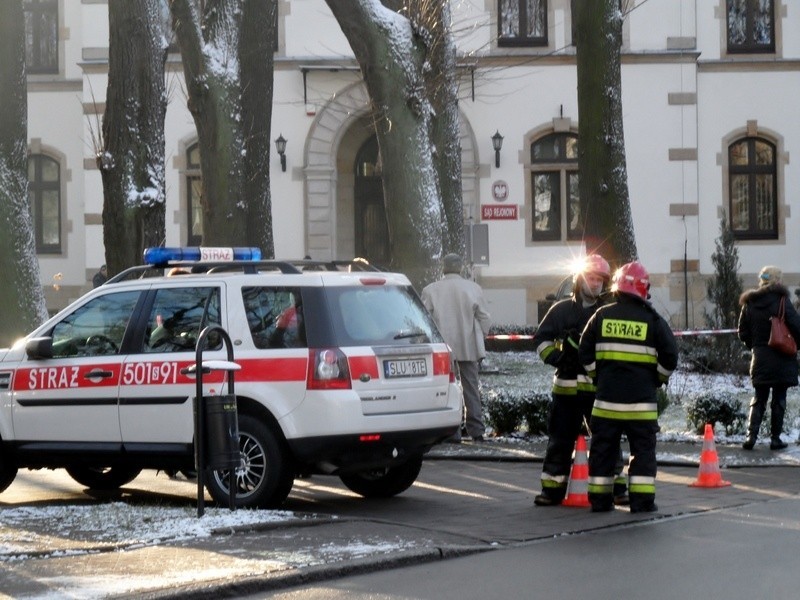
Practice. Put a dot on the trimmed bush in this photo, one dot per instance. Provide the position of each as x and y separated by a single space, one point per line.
503 411
715 407
535 409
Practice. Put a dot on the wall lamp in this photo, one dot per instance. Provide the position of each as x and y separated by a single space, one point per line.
497 144
280 146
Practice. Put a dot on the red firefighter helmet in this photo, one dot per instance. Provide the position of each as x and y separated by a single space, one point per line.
594 263
632 278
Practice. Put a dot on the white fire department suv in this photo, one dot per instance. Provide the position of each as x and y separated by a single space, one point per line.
342 372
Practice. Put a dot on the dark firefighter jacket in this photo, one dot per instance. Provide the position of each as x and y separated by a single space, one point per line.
630 351
767 366
556 341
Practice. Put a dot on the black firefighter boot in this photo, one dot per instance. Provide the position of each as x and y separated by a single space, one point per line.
776 426
753 425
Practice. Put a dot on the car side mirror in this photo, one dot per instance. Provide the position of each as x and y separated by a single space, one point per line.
39 348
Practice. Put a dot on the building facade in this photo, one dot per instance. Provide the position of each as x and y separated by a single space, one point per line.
709 123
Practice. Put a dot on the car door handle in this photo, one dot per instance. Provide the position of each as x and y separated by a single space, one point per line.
98 373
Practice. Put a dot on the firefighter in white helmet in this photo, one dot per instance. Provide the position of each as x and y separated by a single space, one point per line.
630 351
556 341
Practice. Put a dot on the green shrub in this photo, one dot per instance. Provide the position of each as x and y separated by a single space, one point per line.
720 353
535 409
503 411
662 400
715 407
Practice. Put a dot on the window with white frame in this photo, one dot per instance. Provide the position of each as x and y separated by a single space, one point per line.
557 212
522 23
751 26
44 193
194 193
753 185
41 36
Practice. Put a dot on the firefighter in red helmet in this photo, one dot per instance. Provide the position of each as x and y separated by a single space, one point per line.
556 341
630 351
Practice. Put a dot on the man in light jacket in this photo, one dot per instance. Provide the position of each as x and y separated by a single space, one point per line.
459 309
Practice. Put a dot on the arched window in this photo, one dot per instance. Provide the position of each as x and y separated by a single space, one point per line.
751 26
44 192
557 211
521 22
194 192
753 185
41 36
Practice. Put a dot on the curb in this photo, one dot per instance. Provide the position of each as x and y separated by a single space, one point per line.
282 580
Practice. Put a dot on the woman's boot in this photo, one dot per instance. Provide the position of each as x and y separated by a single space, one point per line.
776 425
753 425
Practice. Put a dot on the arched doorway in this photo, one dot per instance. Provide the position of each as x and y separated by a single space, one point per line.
370 229
334 139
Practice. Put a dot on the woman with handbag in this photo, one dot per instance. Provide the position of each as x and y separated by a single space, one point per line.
774 362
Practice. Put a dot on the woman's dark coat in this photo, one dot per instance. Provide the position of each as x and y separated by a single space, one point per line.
768 366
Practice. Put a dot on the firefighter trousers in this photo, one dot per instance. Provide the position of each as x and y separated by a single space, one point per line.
565 423
606 441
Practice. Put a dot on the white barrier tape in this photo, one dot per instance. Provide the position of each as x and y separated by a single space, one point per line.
703 332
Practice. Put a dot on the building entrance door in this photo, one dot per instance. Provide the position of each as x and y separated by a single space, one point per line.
371 231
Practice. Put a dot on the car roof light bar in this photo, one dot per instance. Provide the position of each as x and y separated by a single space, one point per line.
163 256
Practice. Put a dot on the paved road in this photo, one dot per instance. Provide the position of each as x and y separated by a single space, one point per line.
458 507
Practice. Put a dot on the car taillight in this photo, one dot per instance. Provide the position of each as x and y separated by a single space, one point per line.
327 370
455 374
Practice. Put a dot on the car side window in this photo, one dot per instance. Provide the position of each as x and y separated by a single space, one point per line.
275 316
96 328
179 315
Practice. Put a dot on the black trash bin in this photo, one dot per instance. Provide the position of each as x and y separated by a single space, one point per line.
221 434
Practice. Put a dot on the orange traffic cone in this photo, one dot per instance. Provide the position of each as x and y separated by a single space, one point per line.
578 485
708 476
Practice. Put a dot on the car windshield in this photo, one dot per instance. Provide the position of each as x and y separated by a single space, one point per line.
380 315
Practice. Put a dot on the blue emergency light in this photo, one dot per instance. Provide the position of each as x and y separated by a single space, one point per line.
162 256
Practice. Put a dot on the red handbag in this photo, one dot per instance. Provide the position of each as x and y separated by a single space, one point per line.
779 336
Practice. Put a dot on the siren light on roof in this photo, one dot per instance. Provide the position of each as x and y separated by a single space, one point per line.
162 256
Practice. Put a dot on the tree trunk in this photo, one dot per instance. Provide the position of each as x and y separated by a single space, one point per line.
603 183
132 159
442 89
256 57
392 60
21 294
209 44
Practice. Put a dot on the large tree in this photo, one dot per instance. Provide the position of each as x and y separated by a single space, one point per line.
256 58
603 184
131 162
432 21
393 55
230 100
21 294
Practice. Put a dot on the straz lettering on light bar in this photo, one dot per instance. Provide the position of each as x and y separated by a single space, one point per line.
215 254
629 330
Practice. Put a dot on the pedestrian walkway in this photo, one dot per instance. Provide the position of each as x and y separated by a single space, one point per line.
470 498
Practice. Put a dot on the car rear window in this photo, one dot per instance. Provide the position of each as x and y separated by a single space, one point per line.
379 315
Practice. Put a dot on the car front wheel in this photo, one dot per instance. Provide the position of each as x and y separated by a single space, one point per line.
265 477
386 482
8 471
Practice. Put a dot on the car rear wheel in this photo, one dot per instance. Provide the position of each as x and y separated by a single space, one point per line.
103 478
386 482
265 477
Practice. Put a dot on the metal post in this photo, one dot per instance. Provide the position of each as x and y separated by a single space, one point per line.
199 413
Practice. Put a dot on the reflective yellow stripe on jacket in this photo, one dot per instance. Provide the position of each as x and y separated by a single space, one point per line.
640 411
